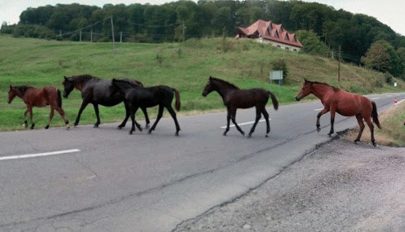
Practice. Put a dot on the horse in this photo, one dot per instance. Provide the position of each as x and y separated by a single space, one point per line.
344 103
235 98
34 97
139 97
97 92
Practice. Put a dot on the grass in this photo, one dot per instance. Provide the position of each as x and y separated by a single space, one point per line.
393 128
184 66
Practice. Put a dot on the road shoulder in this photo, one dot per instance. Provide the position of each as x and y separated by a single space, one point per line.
339 187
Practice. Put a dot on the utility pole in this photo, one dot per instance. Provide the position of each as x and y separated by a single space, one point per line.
91 35
184 32
121 37
339 61
112 32
80 36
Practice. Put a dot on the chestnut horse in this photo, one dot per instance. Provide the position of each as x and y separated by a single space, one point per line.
34 97
339 101
235 98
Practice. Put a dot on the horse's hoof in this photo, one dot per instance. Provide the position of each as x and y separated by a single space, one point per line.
75 124
266 136
250 135
47 127
150 132
318 129
95 126
119 127
146 126
330 134
177 133
374 144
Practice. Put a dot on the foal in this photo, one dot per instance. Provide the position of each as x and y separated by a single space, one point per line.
235 98
34 97
139 97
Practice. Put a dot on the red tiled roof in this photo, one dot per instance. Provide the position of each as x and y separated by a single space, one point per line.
269 31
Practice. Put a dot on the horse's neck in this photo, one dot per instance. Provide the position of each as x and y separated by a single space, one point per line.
224 90
80 84
322 92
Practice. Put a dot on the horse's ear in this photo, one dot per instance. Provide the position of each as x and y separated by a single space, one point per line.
11 87
65 77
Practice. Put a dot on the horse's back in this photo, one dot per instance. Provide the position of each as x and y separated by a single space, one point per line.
349 104
246 98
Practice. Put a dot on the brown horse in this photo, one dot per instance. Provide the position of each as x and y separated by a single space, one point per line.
34 97
344 103
235 98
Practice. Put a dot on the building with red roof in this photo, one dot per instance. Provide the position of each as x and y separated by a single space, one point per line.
268 32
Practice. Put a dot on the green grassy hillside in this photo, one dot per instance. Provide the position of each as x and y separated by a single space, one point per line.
185 66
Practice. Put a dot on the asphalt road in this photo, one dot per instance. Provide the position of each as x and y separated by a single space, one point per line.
339 187
111 181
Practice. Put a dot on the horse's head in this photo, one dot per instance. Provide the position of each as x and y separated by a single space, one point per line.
68 86
12 92
208 88
305 90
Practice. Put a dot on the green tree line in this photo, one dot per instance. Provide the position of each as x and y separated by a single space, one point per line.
336 29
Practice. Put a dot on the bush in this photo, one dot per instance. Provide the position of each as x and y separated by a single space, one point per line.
280 64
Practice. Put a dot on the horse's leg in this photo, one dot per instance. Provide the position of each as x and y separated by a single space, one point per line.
233 118
145 112
132 113
50 117
228 119
173 114
159 116
62 114
95 105
258 116
361 125
30 112
318 125
332 120
371 126
25 118
266 117
82 107
127 113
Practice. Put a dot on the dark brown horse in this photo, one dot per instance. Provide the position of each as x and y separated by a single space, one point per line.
140 97
235 98
34 97
97 91
339 101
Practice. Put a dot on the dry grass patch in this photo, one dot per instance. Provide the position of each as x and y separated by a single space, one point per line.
393 128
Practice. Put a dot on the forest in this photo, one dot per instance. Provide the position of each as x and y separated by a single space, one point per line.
336 30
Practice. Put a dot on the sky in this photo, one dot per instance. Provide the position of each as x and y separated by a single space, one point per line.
388 11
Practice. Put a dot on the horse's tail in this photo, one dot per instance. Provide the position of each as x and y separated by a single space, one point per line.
177 94
59 98
274 100
374 114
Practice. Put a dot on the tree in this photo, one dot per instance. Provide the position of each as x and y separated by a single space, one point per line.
381 56
312 43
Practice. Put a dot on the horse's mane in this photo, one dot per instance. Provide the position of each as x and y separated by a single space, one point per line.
323 83
224 82
23 88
